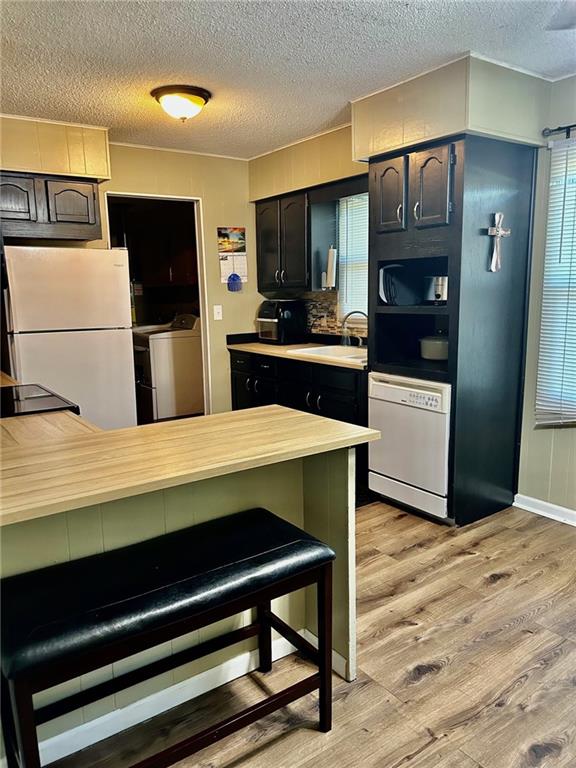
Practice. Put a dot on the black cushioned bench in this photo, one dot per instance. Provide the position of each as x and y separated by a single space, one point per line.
65 620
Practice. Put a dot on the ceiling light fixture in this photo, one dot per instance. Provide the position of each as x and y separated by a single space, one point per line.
181 101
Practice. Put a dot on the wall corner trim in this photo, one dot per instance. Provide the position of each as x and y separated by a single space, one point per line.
544 508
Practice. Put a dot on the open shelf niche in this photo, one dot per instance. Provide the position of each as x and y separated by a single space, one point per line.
403 284
397 347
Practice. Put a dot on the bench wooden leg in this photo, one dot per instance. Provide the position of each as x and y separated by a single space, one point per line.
324 587
264 636
24 724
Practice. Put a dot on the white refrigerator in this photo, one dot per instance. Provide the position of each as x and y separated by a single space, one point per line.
69 325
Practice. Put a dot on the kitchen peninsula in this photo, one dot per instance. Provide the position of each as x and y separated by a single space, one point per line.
80 494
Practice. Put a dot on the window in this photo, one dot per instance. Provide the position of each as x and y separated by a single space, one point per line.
556 384
353 256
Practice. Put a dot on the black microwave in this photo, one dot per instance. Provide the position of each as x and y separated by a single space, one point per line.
282 321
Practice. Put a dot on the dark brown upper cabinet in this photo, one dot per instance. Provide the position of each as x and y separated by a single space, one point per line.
268 245
281 245
412 208
294 268
71 202
430 186
42 207
17 199
389 181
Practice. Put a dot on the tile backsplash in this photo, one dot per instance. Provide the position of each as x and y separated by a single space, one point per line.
322 311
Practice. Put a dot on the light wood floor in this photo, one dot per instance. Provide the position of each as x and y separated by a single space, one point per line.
467 656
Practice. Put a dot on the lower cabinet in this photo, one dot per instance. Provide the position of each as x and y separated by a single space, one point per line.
331 391
336 393
321 400
249 391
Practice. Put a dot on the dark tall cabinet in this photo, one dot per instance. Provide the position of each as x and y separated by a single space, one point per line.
388 193
446 195
268 245
281 244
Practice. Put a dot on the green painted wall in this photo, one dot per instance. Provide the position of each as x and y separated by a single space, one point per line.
312 493
548 456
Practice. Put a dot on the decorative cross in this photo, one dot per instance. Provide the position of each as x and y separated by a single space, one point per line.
497 232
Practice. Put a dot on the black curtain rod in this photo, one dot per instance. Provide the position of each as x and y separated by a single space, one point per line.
561 129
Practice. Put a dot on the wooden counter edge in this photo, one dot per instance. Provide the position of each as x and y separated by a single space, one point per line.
140 487
289 352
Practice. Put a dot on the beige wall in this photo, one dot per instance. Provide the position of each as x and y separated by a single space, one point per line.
548 456
315 161
222 186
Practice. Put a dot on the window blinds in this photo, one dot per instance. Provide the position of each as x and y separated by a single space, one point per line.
556 383
353 256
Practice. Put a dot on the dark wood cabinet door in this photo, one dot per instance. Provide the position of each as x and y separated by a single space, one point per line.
265 391
71 202
336 405
183 267
430 187
250 391
296 394
388 191
294 264
242 391
268 245
17 198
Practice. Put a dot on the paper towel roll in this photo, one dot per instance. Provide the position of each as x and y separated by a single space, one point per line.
331 267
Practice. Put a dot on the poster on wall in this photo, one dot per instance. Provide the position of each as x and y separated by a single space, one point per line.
232 253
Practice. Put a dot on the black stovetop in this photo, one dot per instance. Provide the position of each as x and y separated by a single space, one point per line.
25 399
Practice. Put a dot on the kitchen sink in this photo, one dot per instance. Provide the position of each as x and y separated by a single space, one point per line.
333 353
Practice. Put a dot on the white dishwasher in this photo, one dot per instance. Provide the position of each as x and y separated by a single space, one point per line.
410 461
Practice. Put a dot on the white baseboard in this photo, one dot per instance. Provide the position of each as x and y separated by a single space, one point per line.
89 733
544 508
82 736
339 663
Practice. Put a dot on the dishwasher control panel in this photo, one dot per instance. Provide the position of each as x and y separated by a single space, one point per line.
424 400
427 395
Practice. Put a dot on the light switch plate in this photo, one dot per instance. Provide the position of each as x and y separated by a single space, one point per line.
217 311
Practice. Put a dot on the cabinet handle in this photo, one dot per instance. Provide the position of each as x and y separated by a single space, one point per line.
264 367
170 274
308 399
247 384
256 386
283 276
399 213
318 402
417 210
277 276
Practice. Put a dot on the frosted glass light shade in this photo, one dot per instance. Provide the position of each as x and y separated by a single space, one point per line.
181 101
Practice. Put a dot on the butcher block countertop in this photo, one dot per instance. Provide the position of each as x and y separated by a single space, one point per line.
37 428
290 352
51 475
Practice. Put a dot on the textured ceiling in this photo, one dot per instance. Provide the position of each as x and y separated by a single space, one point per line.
280 70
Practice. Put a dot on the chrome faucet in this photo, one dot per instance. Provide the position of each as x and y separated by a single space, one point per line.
346 332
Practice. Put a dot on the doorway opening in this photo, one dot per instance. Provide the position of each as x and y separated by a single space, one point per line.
166 287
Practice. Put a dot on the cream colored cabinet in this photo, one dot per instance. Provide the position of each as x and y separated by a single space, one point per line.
35 146
434 105
318 160
506 103
470 95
